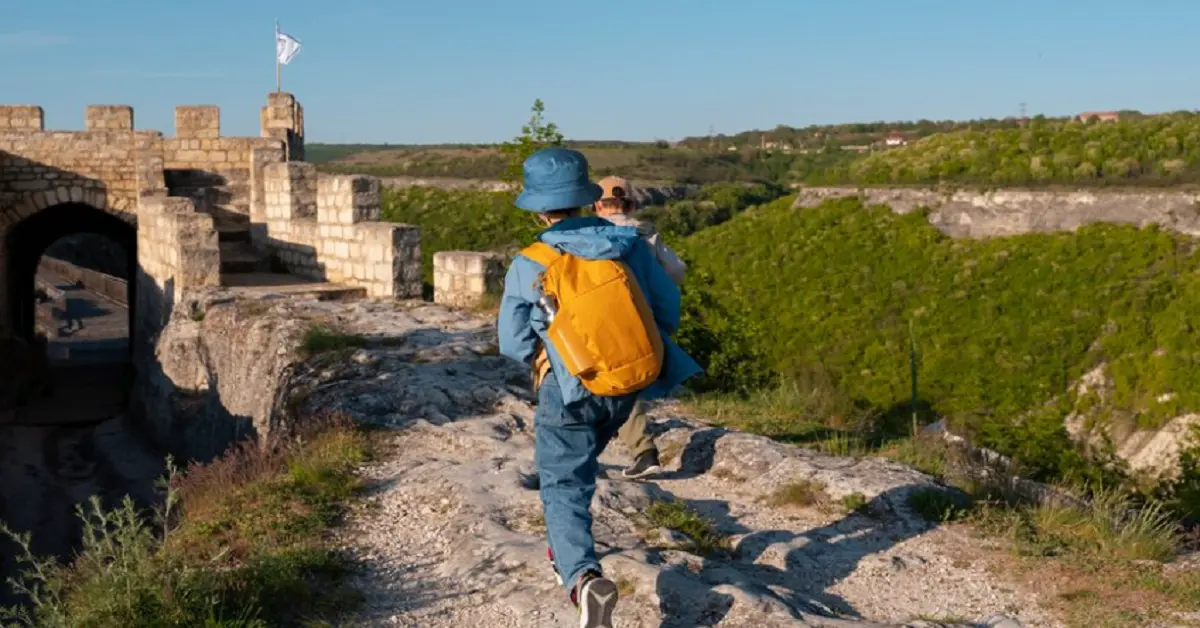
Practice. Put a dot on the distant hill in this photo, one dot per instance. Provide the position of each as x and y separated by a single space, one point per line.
862 152
1134 150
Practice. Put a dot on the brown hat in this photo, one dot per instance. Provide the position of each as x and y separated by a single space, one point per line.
615 187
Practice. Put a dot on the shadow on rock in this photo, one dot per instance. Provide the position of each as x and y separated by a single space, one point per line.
784 570
46 471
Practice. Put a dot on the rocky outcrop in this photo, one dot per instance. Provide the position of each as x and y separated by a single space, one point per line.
220 373
1150 453
453 534
976 214
645 196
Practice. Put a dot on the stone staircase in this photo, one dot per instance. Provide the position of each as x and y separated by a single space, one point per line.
249 271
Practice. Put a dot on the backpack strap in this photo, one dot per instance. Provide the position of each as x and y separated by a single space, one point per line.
541 253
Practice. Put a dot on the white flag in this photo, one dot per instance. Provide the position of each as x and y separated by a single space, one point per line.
286 47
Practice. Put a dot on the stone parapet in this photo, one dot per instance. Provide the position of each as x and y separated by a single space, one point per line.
21 119
109 118
326 228
467 278
197 122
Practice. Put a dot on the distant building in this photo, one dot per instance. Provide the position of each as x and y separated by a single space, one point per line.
1103 116
895 139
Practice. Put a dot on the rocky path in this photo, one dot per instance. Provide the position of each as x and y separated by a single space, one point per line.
452 533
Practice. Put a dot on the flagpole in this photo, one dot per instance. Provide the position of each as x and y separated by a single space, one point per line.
278 68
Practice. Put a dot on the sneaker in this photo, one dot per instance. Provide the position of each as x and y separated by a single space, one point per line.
596 598
645 464
550 558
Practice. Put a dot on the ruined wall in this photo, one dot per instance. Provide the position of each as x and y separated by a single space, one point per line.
467 278
327 228
971 213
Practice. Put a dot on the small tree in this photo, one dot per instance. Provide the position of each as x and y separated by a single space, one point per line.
535 135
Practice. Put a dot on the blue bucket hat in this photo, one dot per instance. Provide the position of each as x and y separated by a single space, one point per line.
557 178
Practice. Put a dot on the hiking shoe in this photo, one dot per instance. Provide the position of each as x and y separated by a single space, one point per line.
645 464
596 598
550 557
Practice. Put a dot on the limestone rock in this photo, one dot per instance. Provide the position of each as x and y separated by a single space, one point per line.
453 534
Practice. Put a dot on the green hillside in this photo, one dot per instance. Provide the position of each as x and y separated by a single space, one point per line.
1002 326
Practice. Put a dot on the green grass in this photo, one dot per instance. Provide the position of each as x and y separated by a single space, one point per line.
322 338
1002 326
704 538
239 542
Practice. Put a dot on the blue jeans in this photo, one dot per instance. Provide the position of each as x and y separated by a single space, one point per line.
568 442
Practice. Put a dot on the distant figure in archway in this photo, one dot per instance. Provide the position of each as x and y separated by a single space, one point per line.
72 317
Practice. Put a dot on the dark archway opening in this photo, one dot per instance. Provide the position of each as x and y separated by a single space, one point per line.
29 239
83 322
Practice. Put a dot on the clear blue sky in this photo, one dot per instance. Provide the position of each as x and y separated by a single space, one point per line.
424 71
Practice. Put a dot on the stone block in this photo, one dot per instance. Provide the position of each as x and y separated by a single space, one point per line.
197 122
109 118
22 119
466 278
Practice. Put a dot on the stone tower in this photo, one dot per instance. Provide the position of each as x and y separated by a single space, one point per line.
283 119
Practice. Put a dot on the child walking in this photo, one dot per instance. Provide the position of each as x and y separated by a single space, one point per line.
593 298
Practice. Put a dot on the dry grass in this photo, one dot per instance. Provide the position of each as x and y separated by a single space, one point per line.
799 494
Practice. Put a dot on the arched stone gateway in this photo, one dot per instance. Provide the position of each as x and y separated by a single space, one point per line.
195 211
27 240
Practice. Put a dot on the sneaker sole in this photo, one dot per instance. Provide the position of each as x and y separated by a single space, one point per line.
550 560
648 471
598 603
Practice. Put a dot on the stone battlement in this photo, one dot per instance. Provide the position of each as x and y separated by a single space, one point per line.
282 119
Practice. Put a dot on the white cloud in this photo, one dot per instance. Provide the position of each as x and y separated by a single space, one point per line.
31 39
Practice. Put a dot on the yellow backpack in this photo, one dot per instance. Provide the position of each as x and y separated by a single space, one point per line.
600 322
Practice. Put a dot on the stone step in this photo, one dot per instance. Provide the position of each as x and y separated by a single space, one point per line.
263 284
233 232
240 257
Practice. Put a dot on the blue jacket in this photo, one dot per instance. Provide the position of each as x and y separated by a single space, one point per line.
522 324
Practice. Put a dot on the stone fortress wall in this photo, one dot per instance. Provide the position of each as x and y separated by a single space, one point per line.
209 210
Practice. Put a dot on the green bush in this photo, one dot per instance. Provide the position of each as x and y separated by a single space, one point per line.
711 205
1002 325
452 220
